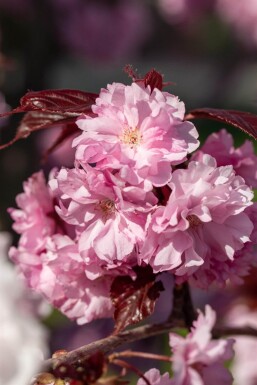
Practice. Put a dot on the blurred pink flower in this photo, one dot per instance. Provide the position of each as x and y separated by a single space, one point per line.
102 30
244 367
34 218
203 220
156 378
241 15
243 159
199 360
137 131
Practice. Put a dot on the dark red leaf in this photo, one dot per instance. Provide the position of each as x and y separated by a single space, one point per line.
71 103
153 79
48 108
246 121
37 120
134 300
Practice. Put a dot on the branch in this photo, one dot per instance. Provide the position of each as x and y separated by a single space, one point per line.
109 344
226 331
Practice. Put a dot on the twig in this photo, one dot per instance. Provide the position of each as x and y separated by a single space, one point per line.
126 365
183 313
130 353
227 331
109 344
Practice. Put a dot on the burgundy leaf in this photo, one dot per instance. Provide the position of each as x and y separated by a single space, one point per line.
48 108
246 121
71 103
37 120
134 300
153 79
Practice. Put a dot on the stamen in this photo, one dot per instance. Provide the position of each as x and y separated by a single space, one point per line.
107 207
131 136
193 220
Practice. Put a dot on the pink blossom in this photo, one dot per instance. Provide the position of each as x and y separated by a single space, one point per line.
50 260
244 364
109 216
58 273
220 270
155 378
136 131
220 145
34 218
199 360
203 220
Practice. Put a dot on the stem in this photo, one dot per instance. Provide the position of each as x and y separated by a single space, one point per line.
126 365
129 353
227 331
109 344
183 313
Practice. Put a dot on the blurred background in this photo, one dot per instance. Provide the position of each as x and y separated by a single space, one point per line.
206 48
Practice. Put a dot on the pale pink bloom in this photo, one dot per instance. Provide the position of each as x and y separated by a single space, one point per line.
203 220
34 219
156 378
50 260
221 270
23 340
199 360
220 145
137 131
244 367
58 273
109 216
65 279
241 15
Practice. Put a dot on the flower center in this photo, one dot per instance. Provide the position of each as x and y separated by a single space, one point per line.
131 136
107 207
193 220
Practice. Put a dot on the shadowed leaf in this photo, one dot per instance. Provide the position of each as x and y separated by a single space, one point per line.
153 79
134 299
246 121
50 107
67 102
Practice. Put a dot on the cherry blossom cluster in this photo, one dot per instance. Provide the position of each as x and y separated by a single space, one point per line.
139 194
197 359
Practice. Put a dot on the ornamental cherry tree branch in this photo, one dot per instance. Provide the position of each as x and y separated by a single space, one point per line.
109 344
